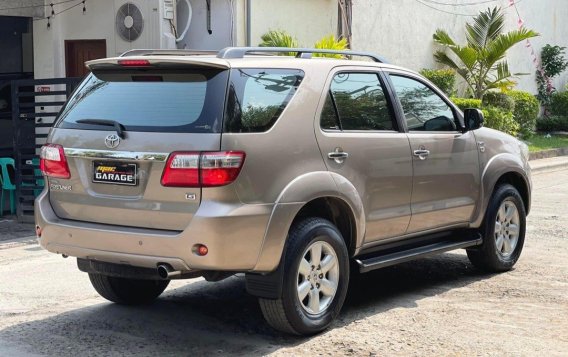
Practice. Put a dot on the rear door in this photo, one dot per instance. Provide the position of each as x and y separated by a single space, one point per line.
360 140
445 160
116 180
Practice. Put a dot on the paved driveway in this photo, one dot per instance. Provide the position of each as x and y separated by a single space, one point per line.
438 306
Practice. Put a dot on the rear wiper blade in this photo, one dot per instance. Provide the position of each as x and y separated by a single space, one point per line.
117 126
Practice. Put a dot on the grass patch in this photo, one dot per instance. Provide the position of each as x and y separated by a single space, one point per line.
541 142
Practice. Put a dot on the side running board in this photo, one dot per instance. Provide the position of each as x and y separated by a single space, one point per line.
385 260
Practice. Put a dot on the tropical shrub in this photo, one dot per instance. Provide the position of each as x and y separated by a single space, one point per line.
445 79
278 38
481 61
499 119
465 103
559 104
552 123
281 38
553 63
525 111
331 43
499 100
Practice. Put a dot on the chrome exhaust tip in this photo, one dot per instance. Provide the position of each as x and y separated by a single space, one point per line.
165 271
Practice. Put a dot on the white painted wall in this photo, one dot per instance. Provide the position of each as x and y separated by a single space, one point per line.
401 31
307 20
49 44
222 28
97 23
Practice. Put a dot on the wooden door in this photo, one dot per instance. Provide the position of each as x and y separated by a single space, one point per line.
77 52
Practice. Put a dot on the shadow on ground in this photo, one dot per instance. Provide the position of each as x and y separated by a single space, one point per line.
216 318
11 229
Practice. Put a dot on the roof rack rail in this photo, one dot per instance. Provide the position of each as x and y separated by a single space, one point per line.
167 52
240 52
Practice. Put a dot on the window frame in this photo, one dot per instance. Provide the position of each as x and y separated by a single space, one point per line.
400 111
384 86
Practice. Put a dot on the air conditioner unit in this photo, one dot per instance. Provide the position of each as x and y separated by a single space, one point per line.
145 24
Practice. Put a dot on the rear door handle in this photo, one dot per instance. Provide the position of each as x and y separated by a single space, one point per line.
338 155
422 154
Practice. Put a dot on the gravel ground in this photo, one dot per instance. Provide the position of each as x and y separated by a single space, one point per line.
438 306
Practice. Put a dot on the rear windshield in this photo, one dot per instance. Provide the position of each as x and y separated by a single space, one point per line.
160 101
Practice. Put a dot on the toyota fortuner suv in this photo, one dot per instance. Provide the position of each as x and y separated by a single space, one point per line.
290 169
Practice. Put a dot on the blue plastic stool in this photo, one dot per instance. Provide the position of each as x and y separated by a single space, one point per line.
37 173
7 184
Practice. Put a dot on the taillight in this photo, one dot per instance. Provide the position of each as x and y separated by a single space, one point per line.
207 169
220 168
53 162
134 63
182 170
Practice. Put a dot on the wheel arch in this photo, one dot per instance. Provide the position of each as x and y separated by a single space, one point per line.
503 168
317 194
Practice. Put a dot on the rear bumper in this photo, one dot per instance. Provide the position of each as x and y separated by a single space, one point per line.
234 234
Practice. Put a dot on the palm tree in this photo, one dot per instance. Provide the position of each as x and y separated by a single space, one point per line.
481 62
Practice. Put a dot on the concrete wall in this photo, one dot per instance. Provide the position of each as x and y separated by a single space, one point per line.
222 28
49 44
401 30
307 20
96 24
28 11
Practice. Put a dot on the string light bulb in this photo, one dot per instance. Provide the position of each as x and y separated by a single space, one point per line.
84 8
48 23
52 10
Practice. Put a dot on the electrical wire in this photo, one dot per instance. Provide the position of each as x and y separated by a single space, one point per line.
32 6
454 4
457 13
444 11
81 2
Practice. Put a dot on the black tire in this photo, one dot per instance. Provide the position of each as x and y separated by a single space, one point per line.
487 257
127 291
288 314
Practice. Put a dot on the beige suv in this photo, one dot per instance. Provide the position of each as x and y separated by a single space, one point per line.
290 169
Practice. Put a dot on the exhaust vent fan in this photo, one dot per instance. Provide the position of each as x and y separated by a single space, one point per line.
129 22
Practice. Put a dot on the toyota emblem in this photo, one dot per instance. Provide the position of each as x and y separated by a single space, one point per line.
112 141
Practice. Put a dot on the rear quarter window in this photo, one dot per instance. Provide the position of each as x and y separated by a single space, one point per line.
257 97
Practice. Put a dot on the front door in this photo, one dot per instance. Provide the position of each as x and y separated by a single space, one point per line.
357 126
445 160
77 52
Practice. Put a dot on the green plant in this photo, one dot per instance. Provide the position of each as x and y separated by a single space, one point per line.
525 111
465 103
499 100
559 103
552 123
445 79
499 119
279 38
553 63
331 43
481 62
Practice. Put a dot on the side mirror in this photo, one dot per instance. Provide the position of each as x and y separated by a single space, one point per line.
473 119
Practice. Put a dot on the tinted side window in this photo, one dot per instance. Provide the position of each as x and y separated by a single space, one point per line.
329 119
257 97
424 110
360 103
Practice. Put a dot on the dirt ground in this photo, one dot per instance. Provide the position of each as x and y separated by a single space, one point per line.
439 306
